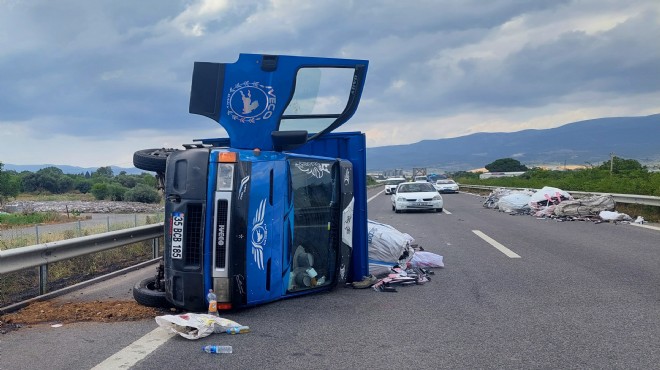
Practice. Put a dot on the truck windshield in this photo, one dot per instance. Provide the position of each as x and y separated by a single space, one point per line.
320 96
312 254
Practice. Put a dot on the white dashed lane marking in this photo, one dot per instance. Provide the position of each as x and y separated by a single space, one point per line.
495 244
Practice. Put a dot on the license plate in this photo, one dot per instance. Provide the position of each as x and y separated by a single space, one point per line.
177 235
421 204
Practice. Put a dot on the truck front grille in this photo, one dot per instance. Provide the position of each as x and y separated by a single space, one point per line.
221 233
193 235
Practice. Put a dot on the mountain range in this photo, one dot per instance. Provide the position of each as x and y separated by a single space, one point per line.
589 142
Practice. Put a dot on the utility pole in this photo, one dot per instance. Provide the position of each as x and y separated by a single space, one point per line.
611 163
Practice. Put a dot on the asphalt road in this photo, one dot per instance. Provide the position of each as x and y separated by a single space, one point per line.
578 295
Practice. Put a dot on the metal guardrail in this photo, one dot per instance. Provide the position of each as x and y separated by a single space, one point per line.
618 198
42 254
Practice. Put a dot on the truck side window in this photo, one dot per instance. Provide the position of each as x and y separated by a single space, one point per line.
313 190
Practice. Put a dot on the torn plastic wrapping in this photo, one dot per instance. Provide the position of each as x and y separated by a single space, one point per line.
548 196
195 325
426 259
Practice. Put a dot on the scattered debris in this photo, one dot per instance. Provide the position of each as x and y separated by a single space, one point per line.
395 260
554 203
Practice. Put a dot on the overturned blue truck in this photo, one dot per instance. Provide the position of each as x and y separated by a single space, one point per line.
276 210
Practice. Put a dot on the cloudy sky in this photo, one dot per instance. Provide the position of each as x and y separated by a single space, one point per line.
87 83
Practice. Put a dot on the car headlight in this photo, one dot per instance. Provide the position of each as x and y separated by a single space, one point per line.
400 199
437 197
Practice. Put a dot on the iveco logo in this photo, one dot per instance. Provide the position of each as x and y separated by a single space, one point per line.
221 235
251 102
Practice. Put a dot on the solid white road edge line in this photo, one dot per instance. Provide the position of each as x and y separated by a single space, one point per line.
445 211
136 351
495 244
646 226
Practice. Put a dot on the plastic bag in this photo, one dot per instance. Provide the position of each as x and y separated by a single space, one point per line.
614 216
426 259
195 325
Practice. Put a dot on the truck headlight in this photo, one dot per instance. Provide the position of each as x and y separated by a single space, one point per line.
225 176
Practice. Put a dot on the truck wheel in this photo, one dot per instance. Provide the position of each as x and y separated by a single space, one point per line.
145 293
152 159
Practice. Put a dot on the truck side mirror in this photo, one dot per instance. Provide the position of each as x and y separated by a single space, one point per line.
288 140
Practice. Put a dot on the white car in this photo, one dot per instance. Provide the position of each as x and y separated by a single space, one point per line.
392 183
410 196
421 179
446 186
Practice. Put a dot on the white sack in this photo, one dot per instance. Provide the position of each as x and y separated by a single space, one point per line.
585 206
514 202
387 247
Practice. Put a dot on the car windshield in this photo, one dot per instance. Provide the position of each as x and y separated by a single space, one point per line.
394 181
416 188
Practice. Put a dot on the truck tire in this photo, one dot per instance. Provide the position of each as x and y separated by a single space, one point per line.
145 294
152 159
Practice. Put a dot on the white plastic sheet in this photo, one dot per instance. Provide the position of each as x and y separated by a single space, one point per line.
614 216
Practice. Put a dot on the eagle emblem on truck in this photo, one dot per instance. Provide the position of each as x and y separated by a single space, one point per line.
259 235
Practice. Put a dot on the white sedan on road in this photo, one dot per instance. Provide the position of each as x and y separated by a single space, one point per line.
446 186
411 196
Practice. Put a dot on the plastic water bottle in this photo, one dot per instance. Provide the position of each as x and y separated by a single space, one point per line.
238 330
217 349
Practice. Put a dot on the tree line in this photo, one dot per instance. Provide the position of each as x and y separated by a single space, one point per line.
618 175
103 184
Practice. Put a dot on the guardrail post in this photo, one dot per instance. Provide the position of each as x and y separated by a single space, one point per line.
79 228
43 279
155 246
108 223
36 228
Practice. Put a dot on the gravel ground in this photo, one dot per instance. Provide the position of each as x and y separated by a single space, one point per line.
81 207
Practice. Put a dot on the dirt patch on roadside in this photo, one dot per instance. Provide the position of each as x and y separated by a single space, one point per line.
48 312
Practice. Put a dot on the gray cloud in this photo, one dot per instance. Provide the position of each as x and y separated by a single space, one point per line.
106 68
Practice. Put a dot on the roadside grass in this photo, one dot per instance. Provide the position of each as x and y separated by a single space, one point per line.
12 220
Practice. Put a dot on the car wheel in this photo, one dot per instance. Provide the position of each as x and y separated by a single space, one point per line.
152 159
393 208
145 293
438 210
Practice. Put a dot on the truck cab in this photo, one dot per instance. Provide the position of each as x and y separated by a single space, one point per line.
278 208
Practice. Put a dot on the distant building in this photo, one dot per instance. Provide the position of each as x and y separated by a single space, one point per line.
490 175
